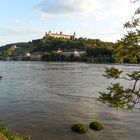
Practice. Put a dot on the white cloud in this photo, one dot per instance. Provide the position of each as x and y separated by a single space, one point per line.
121 8
71 7
97 9
13 35
19 31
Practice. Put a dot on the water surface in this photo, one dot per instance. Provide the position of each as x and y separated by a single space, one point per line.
44 99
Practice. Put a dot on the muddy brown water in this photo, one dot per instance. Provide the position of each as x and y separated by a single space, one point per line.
44 99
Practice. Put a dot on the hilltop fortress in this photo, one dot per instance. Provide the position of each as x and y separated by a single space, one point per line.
60 35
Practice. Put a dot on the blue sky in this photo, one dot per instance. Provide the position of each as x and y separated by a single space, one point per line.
25 20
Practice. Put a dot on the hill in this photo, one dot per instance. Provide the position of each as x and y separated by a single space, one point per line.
94 47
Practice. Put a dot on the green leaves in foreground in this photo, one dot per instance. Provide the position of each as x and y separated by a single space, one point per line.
112 73
10 135
119 96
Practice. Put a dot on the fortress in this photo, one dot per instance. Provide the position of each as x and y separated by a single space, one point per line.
60 35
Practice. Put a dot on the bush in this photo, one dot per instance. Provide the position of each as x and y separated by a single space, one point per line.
96 125
79 128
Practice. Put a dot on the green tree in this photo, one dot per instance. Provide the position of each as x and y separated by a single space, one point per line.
128 48
118 95
9 52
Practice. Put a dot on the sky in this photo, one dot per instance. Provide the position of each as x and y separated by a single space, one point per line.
26 20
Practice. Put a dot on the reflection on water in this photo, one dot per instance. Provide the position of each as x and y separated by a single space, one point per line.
44 99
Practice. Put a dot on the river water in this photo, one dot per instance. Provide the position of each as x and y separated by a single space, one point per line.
44 99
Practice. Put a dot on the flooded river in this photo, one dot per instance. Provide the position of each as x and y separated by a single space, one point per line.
44 99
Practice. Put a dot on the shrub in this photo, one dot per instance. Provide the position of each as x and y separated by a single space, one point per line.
96 125
79 128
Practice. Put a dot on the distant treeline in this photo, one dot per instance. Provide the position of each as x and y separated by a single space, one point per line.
96 50
93 47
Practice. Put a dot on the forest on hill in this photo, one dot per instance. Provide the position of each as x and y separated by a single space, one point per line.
91 46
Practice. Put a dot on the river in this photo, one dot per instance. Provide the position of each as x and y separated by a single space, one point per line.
44 99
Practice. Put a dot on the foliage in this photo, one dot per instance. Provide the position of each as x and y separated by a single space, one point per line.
10 135
97 125
112 73
97 51
9 52
128 48
119 96
53 44
79 128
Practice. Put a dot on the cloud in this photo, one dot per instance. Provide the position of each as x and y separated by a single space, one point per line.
62 7
18 31
97 9
121 7
13 35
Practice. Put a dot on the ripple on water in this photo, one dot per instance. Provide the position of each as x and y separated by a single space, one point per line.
45 99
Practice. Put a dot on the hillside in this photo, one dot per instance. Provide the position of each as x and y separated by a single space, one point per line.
92 47
53 44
